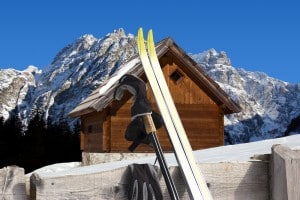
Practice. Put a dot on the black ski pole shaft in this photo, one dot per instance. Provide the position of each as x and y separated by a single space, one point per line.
151 130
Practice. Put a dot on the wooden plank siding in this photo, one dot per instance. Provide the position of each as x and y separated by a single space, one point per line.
92 129
107 129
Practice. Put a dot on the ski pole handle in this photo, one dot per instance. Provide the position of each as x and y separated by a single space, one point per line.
149 124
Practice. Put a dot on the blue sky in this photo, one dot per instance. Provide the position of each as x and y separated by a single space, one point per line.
257 35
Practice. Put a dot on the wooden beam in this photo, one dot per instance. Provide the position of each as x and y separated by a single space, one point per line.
12 183
285 173
247 180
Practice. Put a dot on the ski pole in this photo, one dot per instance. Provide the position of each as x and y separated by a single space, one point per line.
151 131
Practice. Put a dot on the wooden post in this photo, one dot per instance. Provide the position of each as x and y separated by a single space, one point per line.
285 173
12 183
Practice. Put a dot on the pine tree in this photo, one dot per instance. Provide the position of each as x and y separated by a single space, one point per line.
2 142
34 139
294 126
1 130
76 152
36 129
1 124
51 146
12 138
58 141
65 142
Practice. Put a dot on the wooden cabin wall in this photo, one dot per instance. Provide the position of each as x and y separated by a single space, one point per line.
92 132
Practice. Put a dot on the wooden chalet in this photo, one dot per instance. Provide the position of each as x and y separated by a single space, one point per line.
200 102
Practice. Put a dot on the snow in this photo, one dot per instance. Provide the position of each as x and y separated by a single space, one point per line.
117 76
230 153
244 152
73 53
56 168
32 69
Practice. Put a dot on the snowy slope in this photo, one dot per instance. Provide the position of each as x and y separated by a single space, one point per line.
230 153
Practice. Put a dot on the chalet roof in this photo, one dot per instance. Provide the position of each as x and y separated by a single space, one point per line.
103 95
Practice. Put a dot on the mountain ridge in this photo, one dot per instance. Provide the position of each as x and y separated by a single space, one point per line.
268 105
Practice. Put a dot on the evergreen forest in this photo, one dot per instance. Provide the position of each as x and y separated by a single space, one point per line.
41 143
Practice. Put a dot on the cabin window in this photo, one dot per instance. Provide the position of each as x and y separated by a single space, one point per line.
90 129
176 76
94 129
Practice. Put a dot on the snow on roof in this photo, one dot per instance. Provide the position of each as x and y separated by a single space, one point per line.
101 93
117 76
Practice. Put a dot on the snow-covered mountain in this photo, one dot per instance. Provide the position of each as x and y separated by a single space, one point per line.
268 105
14 87
75 71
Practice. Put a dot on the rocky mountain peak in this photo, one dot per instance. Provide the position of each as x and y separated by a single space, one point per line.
268 104
77 70
14 86
32 70
212 57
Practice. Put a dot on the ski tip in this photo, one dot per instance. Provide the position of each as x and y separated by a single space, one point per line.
150 35
140 40
140 34
150 32
150 43
140 31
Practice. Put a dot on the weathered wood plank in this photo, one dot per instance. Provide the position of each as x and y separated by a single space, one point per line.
98 158
285 173
244 181
226 181
12 183
97 185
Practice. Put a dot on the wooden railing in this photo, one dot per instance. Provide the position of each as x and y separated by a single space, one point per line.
274 178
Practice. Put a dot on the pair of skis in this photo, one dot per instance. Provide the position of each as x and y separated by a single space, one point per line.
192 175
